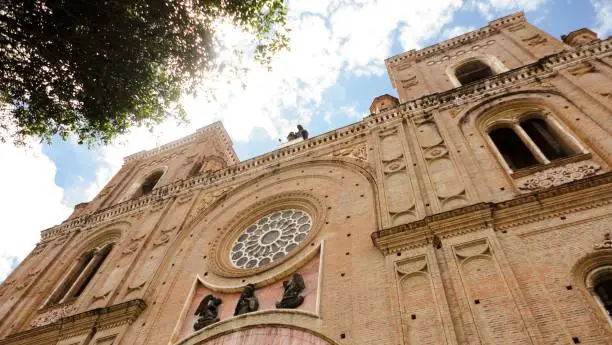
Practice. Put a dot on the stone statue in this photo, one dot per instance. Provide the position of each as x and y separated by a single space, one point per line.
301 133
207 312
291 296
248 301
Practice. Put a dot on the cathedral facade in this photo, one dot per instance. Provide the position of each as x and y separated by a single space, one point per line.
473 209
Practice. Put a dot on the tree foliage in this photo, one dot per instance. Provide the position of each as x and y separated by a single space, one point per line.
94 68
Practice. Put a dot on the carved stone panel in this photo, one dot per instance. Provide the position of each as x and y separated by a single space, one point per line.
448 184
493 307
558 176
421 322
398 187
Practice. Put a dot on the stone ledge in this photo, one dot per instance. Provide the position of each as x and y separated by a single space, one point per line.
578 195
82 323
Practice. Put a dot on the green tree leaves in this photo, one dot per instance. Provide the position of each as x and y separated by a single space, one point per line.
94 68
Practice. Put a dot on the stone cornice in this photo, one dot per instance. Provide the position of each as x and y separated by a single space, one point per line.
82 323
497 84
214 128
572 197
469 37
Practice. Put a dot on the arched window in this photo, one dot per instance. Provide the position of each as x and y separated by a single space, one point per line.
149 183
531 141
512 149
80 275
472 71
195 169
546 139
603 290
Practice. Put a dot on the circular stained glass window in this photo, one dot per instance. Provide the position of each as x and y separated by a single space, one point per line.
270 238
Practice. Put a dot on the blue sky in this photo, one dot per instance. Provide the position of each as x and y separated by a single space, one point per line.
328 79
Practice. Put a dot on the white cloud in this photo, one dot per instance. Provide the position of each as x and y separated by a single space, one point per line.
603 21
492 9
31 200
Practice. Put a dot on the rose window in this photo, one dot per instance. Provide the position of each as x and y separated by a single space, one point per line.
270 238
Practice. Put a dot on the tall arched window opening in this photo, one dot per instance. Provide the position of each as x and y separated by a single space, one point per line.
195 169
546 139
472 71
149 183
603 290
516 154
80 275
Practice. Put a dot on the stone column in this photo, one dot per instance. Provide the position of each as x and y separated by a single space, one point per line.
535 150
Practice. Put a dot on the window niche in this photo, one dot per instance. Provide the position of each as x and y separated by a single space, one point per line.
146 187
472 71
81 274
523 141
599 285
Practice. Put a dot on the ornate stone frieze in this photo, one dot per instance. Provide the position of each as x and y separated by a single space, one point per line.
606 243
558 176
51 315
359 151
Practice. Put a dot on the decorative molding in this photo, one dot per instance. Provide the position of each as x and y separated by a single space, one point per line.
52 315
516 27
605 244
83 323
535 40
131 289
409 82
204 200
359 151
587 193
558 176
582 68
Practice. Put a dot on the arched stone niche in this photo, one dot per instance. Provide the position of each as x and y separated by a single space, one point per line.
268 334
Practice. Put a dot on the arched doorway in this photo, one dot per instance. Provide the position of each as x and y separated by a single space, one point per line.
277 335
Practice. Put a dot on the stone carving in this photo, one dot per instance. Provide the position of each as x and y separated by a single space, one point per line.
559 176
52 315
409 82
248 301
207 312
131 289
291 296
606 244
516 27
535 40
206 200
301 133
582 68
270 238
358 152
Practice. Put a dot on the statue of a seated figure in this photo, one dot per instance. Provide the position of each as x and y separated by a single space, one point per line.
301 133
248 301
207 312
291 296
